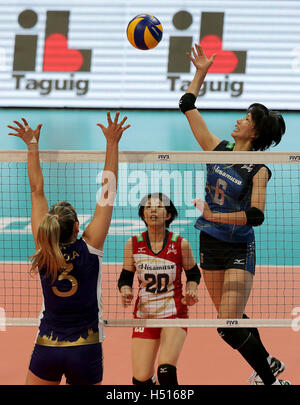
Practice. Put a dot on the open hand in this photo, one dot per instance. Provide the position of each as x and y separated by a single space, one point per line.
114 130
199 59
23 131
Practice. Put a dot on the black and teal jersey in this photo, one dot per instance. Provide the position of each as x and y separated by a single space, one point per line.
229 189
72 313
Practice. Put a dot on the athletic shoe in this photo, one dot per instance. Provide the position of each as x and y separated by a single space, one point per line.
284 382
276 366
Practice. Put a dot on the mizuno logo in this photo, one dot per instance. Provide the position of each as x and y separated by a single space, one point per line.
239 261
249 168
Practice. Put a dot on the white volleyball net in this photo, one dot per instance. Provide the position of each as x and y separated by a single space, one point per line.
75 176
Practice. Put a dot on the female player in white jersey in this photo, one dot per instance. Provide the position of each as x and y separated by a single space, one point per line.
235 202
71 327
158 257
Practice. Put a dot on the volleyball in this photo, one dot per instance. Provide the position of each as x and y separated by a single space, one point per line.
144 31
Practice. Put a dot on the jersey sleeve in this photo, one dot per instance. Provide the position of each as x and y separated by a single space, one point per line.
93 250
257 169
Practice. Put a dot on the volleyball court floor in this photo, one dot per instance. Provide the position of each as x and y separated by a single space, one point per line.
205 358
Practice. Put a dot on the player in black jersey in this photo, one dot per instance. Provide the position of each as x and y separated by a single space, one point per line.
234 203
71 329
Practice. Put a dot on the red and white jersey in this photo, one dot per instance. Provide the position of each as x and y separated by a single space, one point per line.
159 278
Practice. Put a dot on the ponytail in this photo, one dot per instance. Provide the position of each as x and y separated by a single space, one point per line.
55 228
48 255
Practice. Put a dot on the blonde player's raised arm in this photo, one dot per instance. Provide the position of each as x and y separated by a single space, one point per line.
96 232
39 204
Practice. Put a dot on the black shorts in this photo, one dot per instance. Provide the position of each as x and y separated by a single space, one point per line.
216 254
81 365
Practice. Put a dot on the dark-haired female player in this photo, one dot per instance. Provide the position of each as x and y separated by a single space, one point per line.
158 257
235 202
71 327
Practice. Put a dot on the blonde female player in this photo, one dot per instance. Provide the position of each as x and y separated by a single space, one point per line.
158 257
235 202
71 327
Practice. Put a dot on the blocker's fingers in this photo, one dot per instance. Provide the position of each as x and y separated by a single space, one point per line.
19 125
14 128
127 126
101 126
109 118
25 122
116 117
123 120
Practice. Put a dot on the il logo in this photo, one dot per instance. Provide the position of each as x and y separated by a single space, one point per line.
57 56
211 39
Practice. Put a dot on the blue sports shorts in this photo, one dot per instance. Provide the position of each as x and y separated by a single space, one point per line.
216 254
81 365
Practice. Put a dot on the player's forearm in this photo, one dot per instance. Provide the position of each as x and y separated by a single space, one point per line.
195 85
233 218
112 158
110 173
35 174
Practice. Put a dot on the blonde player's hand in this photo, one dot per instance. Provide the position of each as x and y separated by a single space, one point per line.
26 133
115 129
126 295
190 297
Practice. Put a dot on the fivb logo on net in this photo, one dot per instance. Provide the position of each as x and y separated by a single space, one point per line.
211 40
57 57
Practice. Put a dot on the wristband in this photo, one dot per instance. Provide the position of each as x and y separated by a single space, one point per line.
126 278
255 216
193 274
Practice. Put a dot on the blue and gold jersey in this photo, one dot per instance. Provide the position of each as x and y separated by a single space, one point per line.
72 311
229 189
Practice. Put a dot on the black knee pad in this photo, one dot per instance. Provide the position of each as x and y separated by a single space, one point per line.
150 381
167 374
235 337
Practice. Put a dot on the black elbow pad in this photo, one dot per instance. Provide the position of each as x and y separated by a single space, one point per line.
255 216
187 102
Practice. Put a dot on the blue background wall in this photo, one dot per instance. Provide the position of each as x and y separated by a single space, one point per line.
150 130
69 129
